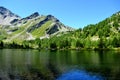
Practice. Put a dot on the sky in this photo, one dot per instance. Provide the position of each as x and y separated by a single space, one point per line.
73 13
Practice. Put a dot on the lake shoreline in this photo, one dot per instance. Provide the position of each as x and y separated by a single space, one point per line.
79 49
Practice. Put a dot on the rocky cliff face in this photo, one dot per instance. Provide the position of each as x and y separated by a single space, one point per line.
6 16
31 27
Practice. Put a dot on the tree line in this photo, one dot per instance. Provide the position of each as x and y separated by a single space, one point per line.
104 35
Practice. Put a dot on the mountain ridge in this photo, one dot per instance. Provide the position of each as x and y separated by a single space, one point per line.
6 16
48 32
31 27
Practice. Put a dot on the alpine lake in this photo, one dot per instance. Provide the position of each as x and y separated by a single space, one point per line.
30 64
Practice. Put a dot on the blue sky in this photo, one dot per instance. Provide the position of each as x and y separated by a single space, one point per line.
74 13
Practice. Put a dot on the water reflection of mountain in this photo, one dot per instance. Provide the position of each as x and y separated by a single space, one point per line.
49 65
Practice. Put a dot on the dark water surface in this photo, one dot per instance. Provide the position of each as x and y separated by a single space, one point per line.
20 64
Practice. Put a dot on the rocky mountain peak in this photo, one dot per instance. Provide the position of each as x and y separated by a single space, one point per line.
23 20
30 27
51 17
34 15
3 10
6 16
6 12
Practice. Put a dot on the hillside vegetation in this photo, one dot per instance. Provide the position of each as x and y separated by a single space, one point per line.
16 29
103 35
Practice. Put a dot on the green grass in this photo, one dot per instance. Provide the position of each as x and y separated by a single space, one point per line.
21 38
3 34
18 31
41 30
0 26
21 28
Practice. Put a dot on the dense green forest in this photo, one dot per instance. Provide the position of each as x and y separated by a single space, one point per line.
103 35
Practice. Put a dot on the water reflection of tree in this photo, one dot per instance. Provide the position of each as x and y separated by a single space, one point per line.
41 71
109 65
50 65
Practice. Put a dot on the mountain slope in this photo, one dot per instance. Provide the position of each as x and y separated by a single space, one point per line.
6 16
106 28
31 27
103 35
30 30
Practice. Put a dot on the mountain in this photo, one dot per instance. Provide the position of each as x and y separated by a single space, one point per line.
6 16
103 35
14 28
33 31
106 28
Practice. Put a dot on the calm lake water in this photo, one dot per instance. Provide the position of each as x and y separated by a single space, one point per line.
20 64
